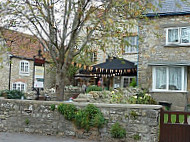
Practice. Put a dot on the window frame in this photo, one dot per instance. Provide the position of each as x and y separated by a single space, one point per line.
131 46
183 81
128 77
20 83
24 73
179 36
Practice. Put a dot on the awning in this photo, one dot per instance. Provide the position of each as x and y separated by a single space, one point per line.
116 64
112 67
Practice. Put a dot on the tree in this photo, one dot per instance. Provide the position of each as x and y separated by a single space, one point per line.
67 27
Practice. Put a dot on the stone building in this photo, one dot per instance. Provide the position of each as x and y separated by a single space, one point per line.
17 64
164 61
125 48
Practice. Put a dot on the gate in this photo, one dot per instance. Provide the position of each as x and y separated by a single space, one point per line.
176 129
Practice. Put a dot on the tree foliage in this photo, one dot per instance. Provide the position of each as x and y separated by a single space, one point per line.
67 28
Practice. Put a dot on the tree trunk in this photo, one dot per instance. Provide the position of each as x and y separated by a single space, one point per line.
60 85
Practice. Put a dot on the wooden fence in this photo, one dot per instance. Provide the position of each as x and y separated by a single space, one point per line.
174 126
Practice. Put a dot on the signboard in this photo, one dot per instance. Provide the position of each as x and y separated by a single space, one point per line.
39 77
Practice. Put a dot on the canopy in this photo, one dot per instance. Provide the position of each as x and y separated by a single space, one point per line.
116 64
112 67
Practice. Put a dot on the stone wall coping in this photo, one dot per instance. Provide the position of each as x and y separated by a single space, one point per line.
100 105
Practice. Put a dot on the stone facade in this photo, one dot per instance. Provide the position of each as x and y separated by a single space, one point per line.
36 117
4 72
15 76
153 48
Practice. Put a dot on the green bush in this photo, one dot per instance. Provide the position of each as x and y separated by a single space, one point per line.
68 110
117 131
27 121
98 120
82 120
91 110
91 116
93 88
137 137
133 83
52 107
12 94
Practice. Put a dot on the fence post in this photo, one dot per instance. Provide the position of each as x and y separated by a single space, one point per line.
161 123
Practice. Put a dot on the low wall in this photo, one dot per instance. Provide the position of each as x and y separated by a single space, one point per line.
178 100
37 117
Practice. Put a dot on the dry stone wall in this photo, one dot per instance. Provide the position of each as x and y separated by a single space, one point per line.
37 117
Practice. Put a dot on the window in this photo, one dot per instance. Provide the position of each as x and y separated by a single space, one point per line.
131 44
93 56
19 86
172 78
24 67
117 82
123 82
126 81
178 35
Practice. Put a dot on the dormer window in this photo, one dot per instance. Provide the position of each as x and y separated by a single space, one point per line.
179 36
24 68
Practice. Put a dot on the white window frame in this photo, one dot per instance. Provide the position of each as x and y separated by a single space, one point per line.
128 77
19 83
179 36
117 83
183 83
131 46
24 73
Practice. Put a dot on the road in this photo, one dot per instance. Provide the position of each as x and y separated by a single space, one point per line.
19 137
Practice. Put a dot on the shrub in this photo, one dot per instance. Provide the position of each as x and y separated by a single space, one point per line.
27 121
82 120
137 137
12 94
118 97
91 116
133 83
93 88
52 107
91 110
68 110
98 120
141 98
117 131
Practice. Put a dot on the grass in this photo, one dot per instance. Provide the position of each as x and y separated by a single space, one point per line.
173 118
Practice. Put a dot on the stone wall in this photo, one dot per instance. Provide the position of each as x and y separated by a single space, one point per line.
36 117
153 48
4 71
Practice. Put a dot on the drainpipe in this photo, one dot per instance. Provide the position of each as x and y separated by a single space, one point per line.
137 54
10 64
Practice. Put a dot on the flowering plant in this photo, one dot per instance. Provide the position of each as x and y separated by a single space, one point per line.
141 98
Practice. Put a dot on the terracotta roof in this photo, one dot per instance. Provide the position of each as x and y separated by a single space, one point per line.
22 45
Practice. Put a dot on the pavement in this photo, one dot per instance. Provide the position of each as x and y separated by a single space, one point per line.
20 137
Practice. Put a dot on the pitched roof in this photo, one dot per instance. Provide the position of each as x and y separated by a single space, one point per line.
170 7
116 63
22 45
